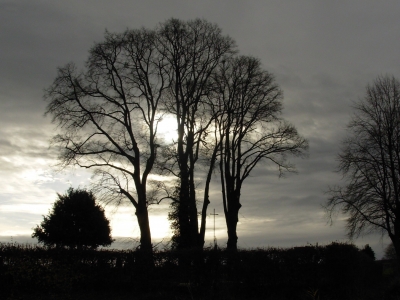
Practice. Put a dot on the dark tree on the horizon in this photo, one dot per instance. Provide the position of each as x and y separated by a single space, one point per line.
389 252
109 114
251 131
193 50
370 164
108 117
367 250
75 221
225 108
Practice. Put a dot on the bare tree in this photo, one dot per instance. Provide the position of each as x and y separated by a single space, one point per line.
193 50
108 117
250 129
370 163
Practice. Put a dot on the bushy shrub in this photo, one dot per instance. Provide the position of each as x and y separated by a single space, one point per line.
75 221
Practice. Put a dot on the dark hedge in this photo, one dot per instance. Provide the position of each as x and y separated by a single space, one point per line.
334 271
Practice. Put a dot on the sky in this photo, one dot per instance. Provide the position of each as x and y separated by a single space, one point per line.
322 53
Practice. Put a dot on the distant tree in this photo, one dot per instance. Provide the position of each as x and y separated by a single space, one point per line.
389 252
248 106
76 221
370 164
367 250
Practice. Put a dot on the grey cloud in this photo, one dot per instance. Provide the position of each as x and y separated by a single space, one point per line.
30 142
322 54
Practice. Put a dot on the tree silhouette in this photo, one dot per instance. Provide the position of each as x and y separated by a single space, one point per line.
75 221
247 103
193 51
367 250
226 108
109 116
370 164
389 252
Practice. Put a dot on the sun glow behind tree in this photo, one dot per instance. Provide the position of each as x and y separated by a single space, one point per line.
167 129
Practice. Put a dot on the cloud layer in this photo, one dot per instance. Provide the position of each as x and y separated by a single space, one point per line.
322 54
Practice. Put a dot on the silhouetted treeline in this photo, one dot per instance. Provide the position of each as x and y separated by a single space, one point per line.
335 271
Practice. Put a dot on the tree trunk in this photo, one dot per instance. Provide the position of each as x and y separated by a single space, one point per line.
232 219
203 220
188 224
394 236
146 248
396 245
231 245
183 213
206 200
145 235
194 226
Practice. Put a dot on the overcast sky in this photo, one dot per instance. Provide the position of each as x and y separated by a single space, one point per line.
323 54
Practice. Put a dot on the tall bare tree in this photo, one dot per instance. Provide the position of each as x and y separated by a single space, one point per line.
108 117
193 51
370 164
251 130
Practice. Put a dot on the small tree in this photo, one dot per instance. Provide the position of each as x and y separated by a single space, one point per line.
367 250
76 221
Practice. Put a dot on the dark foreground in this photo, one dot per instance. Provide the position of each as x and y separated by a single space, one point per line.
335 271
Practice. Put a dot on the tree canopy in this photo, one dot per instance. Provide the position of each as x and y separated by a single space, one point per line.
75 221
226 109
108 115
248 106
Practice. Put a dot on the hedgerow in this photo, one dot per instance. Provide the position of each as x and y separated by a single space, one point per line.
334 271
